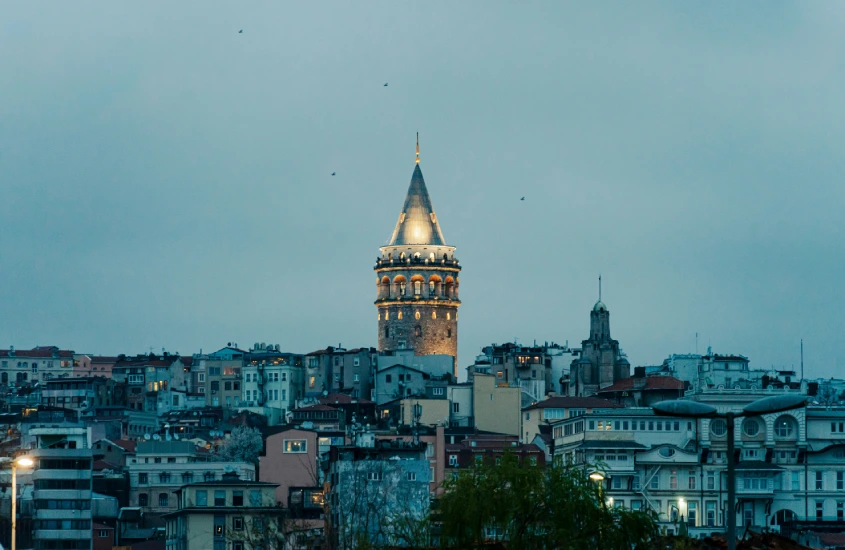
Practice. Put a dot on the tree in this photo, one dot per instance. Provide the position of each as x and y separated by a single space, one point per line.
244 445
535 508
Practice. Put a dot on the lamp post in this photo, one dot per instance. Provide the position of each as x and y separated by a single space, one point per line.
694 409
23 462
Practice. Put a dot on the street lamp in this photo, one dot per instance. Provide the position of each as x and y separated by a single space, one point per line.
23 462
694 409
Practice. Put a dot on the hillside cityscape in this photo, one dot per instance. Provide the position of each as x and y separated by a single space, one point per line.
264 446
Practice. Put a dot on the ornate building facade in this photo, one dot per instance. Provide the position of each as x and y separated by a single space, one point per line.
417 280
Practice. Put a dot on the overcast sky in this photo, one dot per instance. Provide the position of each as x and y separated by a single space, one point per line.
165 180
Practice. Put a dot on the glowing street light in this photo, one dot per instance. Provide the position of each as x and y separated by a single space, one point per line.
694 409
23 462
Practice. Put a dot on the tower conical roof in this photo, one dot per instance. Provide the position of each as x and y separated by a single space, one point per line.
417 222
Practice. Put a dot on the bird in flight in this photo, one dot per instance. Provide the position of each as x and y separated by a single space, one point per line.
333 173
241 31
385 84
522 199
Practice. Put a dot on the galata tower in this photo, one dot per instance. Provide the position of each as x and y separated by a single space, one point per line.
417 280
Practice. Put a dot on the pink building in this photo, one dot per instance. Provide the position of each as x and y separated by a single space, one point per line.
291 461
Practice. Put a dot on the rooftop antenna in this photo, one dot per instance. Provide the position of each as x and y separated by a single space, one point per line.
418 147
696 343
802 359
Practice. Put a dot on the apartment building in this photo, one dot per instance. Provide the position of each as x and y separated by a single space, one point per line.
161 467
272 382
19 367
226 514
62 492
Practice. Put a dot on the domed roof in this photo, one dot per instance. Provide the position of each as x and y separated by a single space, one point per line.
600 306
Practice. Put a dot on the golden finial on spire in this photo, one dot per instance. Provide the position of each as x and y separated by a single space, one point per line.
418 147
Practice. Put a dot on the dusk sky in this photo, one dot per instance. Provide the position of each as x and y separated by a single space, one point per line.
166 180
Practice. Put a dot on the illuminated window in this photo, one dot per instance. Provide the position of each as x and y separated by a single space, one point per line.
295 446
448 316
311 382
379 316
399 315
434 315
417 315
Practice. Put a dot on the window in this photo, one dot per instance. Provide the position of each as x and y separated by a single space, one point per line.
783 426
255 498
750 427
710 511
418 331
840 481
819 480
796 481
673 479
220 528
164 477
237 523
840 511
208 476
453 460
162 499
616 482
142 479
411 476
635 482
103 533
202 498
311 382
654 483
143 499
532 460
691 479
374 476
239 545
237 498
220 498
215 385
456 407
438 391
388 379
356 377
295 446
819 509
718 427
692 513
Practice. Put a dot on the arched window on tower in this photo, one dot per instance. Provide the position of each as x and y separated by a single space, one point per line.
417 315
387 332
399 315
434 315
448 316
417 331
448 332
417 281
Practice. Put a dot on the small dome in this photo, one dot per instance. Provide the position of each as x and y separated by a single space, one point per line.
600 306
623 361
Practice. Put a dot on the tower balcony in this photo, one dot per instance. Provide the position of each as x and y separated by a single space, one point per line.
416 262
421 300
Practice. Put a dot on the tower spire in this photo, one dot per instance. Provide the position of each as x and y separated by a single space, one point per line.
418 147
599 287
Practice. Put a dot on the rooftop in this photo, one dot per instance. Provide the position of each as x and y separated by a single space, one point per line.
565 402
417 222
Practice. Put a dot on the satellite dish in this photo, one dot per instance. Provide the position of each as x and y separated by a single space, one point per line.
156 437
147 436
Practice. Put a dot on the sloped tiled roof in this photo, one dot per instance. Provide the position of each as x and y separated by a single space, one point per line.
417 222
341 399
40 351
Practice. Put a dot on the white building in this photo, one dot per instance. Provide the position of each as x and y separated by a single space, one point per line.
790 466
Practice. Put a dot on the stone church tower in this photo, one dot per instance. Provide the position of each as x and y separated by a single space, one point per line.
417 280
601 362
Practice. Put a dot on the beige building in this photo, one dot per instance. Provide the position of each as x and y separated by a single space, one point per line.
230 514
557 408
161 467
433 412
496 406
